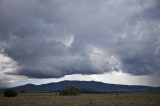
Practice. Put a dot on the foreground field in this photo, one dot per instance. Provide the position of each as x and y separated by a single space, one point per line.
49 99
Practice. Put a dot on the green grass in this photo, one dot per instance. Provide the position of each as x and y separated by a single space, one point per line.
49 99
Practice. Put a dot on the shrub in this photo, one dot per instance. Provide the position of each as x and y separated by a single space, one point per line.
10 93
70 90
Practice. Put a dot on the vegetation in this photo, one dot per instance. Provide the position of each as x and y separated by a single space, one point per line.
49 99
70 90
10 93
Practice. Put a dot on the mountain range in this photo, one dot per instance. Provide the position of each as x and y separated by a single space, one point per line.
86 86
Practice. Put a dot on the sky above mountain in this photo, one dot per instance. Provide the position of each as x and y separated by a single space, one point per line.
114 41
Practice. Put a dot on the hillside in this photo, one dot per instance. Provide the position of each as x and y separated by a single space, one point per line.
85 86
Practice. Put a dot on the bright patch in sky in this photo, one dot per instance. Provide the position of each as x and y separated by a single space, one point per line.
113 78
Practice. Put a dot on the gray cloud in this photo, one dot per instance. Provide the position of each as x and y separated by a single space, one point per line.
55 38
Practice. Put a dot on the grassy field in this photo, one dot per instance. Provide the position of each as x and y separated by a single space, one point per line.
49 99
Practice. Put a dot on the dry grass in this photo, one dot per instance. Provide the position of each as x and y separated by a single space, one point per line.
48 99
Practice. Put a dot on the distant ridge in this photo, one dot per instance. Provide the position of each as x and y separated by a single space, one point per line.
86 86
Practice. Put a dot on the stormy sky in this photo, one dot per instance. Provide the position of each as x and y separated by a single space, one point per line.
41 39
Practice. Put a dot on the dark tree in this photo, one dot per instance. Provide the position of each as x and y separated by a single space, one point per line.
70 90
9 93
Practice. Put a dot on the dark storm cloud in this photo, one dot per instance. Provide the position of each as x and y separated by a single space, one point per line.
50 38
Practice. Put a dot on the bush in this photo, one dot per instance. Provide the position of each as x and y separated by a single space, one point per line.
10 93
70 90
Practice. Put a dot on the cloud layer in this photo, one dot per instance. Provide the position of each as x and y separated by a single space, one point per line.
53 38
